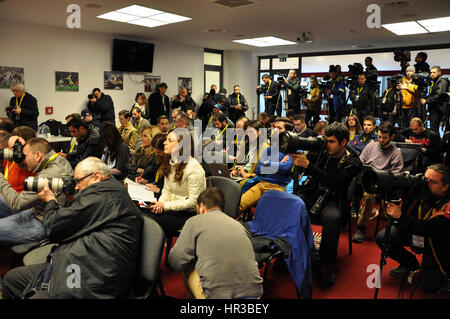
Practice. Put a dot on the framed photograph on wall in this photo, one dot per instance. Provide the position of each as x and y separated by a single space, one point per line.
10 74
66 81
186 83
151 83
113 80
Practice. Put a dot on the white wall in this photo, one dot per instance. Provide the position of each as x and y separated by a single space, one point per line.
42 50
241 67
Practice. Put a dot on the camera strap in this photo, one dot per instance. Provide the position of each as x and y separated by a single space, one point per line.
8 168
18 104
49 160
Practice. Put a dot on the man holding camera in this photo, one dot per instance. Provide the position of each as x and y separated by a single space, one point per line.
23 108
362 98
410 97
436 109
98 237
103 107
332 175
293 86
424 225
271 92
22 213
336 95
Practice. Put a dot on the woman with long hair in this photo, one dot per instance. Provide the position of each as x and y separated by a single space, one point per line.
144 154
115 154
141 103
354 126
184 180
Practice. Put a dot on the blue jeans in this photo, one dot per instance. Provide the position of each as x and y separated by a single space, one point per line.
19 227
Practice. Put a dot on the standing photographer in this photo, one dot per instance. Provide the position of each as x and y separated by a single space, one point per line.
293 86
332 174
313 102
336 95
428 227
438 86
23 108
22 213
362 98
271 92
410 97
390 102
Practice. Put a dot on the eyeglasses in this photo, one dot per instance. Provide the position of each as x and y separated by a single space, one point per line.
78 180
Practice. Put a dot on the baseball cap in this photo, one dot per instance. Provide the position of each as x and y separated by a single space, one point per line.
85 113
218 106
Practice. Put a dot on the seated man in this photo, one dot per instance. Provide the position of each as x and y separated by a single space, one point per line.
364 138
380 156
332 175
163 123
427 227
301 128
277 180
127 131
218 249
138 121
21 213
97 238
88 141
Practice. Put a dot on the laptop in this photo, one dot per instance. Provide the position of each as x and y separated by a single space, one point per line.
217 169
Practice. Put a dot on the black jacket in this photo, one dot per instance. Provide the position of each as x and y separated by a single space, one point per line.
156 107
187 102
104 109
29 114
429 139
422 67
440 85
293 94
272 91
363 100
99 236
388 99
233 113
89 146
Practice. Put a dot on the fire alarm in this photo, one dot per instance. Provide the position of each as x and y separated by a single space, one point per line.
49 110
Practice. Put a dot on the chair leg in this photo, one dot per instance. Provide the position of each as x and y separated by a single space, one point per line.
349 234
381 212
168 247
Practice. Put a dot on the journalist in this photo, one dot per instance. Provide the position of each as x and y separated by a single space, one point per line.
330 174
103 106
23 108
362 98
410 97
98 237
293 86
436 110
427 227
313 102
271 92
336 95
22 213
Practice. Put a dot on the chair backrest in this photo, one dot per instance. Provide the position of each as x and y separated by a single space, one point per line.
152 246
232 191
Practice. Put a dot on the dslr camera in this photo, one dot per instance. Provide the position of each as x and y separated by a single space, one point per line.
15 155
291 142
65 184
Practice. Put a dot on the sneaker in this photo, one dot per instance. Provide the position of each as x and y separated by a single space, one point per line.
401 271
358 236
327 273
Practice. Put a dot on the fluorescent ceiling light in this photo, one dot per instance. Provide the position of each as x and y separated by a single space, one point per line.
405 28
147 22
170 18
139 11
264 41
436 25
116 16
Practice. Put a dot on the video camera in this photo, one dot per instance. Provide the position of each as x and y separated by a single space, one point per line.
291 142
355 70
64 184
393 186
15 155
280 81
402 56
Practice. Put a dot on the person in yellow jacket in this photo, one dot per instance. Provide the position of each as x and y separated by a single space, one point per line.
410 98
128 132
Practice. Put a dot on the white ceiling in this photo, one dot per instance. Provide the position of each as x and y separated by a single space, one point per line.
336 24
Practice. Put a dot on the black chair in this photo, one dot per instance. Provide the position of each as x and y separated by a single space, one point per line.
21 250
151 250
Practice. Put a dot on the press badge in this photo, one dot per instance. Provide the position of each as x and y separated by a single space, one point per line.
289 92
418 241
356 98
331 96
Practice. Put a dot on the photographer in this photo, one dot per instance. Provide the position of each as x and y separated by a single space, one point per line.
362 98
313 103
99 236
426 225
182 100
96 117
21 213
389 104
237 104
421 65
23 108
104 107
336 95
293 86
271 92
438 86
331 174
410 97
371 72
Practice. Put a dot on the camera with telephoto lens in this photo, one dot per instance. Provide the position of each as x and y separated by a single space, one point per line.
291 142
65 183
391 186
15 155
402 56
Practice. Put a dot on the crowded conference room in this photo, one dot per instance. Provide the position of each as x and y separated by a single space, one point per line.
225 149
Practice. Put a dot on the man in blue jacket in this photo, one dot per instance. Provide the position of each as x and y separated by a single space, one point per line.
336 96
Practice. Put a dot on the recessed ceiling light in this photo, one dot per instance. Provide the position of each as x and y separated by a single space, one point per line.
436 25
170 18
405 28
116 16
265 42
144 22
139 11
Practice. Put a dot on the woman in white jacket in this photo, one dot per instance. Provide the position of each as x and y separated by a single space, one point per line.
184 180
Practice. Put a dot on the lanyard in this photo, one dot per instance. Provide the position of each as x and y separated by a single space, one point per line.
49 160
222 132
163 98
427 215
359 90
210 119
386 92
238 99
74 141
138 125
18 104
268 88
431 87
8 168
157 176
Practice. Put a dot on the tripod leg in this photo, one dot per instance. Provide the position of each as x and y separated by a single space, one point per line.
385 250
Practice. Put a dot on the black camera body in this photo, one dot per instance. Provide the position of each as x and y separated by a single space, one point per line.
65 183
15 155
290 143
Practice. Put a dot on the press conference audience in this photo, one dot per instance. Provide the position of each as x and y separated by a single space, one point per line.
115 153
128 132
144 154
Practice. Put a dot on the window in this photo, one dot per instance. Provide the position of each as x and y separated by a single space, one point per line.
213 65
